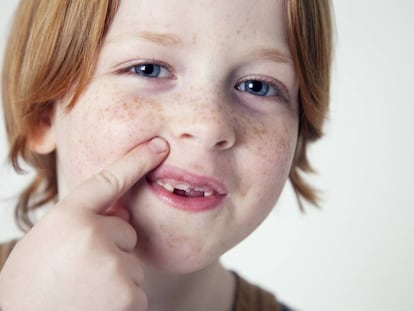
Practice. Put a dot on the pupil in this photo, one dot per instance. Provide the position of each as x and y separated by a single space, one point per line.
255 86
147 69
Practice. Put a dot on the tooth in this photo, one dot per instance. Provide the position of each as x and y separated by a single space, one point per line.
207 192
159 182
183 187
199 189
166 186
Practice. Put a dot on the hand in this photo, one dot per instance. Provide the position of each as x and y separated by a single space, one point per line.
76 258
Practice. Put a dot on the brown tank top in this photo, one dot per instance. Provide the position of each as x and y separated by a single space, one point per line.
250 297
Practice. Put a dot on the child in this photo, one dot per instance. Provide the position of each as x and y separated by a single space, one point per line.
163 132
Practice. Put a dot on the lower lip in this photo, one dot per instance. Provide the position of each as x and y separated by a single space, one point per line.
197 204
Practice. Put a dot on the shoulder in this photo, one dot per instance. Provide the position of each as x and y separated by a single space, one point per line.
5 250
249 297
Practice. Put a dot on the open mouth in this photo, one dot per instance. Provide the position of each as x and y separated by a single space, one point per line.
186 191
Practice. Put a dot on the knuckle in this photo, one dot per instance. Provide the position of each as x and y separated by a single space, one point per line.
90 233
129 297
131 235
136 270
114 266
126 233
109 179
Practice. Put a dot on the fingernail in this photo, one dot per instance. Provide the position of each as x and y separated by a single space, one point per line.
158 145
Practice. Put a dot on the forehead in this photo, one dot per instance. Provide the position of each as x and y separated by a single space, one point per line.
210 20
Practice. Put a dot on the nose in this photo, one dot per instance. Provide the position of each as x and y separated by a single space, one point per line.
207 124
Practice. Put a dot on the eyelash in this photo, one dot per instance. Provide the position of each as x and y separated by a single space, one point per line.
279 89
276 86
132 69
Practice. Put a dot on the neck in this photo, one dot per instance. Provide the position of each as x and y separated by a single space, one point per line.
209 289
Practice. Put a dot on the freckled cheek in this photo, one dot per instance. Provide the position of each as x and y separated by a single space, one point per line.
270 148
270 141
99 136
276 150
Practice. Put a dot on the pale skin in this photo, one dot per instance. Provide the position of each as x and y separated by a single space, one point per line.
111 243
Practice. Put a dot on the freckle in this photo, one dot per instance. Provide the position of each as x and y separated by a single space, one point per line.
163 229
283 145
198 167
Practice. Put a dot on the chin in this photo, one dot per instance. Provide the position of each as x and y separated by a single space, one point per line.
175 256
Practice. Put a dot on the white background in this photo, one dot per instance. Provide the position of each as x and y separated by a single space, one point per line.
357 252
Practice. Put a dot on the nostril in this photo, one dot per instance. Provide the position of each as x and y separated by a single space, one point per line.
222 144
186 135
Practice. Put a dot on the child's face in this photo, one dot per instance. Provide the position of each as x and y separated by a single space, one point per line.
213 78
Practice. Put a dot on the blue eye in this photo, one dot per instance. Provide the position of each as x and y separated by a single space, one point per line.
151 70
256 87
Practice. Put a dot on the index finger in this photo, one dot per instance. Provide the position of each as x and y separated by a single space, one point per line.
99 191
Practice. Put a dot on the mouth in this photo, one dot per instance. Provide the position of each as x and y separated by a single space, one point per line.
183 190
186 190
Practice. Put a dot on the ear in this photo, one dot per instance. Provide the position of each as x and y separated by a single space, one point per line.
42 137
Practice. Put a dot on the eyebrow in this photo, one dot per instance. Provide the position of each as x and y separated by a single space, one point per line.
272 55
166 39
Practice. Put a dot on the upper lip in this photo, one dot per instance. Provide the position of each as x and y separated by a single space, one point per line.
182 176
